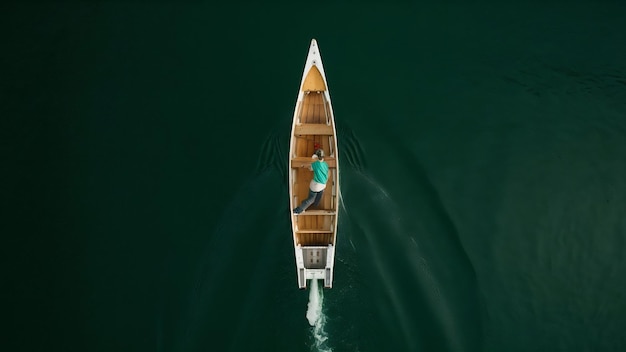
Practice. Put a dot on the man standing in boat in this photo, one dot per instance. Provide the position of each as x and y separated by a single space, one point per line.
318 183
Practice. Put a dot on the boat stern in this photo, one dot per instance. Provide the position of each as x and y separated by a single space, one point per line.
315 263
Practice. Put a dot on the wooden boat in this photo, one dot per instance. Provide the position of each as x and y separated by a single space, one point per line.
314 230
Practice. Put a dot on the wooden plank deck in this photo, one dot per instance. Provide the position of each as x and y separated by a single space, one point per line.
315 226
314 81
314 239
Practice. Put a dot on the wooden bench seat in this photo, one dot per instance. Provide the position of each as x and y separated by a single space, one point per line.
306 160
318 212
319 129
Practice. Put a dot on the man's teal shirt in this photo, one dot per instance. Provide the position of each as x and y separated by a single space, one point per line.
320 171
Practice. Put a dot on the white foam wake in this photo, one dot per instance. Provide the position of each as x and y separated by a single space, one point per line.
315 303
316 317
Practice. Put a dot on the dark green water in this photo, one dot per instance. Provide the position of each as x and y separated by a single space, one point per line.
144 194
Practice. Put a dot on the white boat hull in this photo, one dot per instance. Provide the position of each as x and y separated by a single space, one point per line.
315 230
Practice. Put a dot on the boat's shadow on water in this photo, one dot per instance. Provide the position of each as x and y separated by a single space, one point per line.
403 280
